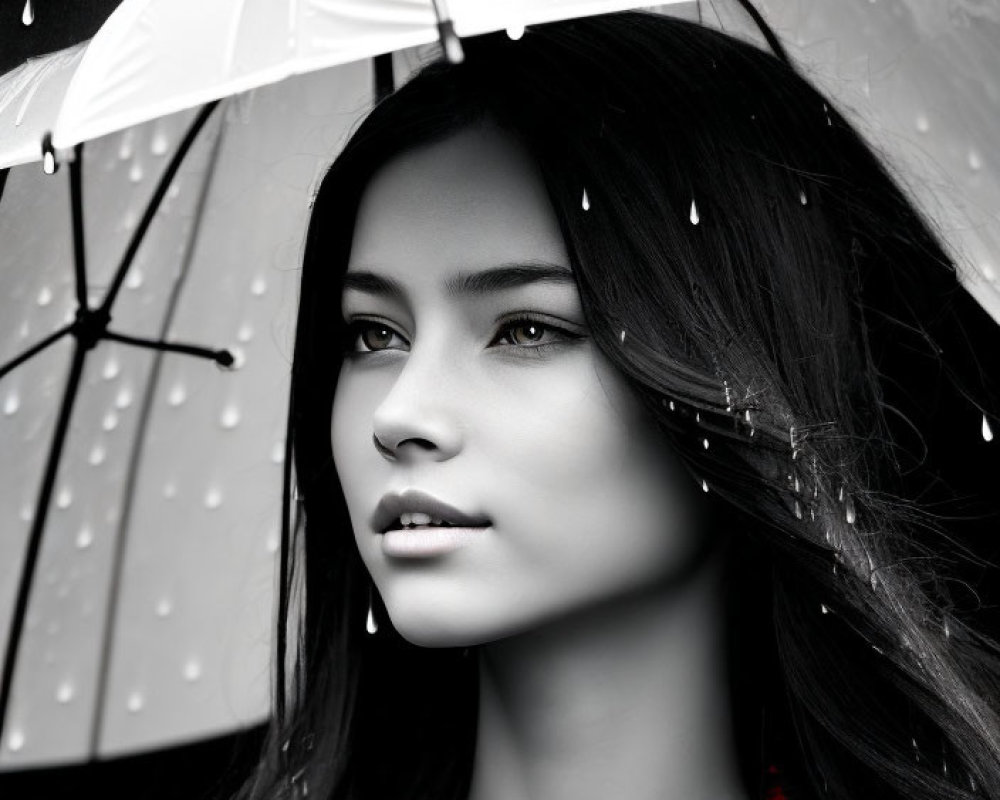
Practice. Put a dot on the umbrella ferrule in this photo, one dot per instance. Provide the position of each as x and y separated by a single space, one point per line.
90 326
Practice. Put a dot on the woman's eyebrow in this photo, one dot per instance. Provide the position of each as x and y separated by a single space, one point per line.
494 279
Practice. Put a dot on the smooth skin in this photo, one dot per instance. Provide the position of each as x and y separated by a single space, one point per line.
470 374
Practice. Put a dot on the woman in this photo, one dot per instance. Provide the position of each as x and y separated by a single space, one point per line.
624 362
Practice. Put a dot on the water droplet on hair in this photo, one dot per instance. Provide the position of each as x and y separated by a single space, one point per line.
230 417
65 692
11 404
704 443
987 430
826 111
135 172
258 286
515 32
823 609
370 624
44 297
585 202
945 627
164 607
693 216
177 395
622 336
85 537
192 670
802 197
798 510
28 14
15 740
697 417
135 702
840 494
704 485
849 512
673 406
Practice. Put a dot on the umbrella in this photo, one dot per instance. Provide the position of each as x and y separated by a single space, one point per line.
149 620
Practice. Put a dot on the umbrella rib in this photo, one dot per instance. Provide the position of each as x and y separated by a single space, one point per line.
135 455
222 357
36 348
76 206
154 203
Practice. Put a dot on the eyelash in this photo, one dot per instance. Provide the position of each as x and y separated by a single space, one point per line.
356 327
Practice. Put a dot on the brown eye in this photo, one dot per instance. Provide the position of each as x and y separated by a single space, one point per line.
365 336
526 332
376 337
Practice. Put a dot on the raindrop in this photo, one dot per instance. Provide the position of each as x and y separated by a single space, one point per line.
823 609
987 430
704 485
515 32
178 394
192 670
15 741
49 162
28 15
585 202
946 627
158 146
124 398
695 219
170 491
622 336
65 692
125 148
97 455
135 172
802 197
213 498
272 542
65 498
27 514
239 357
370 625
111 369
673 407
975 161
849 512
840 494
923 124
245 333
697 417
135 702
135 278
258 286
174 190
230 417
988 272
164 607
704 443
11 404
110 421
826 111
85 538
44 297
278 453
798 510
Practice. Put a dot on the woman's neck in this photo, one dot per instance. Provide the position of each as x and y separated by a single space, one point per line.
629 700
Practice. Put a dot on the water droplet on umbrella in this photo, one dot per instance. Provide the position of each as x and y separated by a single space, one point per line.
28 15
975 161
258 286
124 398
111 369
177 395
245 333
213 498
923 124
97 455
135 702
988 272
135 172
85 538
27 513
192 670
11 404
230 417
987 430
278 453
515 32
110 421
44 296
585 201
49 162
65 497
164 607
125 147
170 491
695 219
65 692
135 279
272 542
158 146
174 190
15 741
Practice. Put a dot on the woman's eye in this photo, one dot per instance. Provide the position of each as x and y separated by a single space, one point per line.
532 333
366 336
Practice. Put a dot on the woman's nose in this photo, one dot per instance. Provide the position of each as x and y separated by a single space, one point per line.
419 418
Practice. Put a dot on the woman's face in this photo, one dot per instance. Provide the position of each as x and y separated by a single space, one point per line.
470 377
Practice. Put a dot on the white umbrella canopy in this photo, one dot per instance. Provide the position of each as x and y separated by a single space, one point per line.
172 467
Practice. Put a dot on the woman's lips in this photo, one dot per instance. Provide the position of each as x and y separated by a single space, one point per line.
428 541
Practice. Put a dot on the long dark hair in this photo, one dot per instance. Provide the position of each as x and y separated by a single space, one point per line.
750 268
